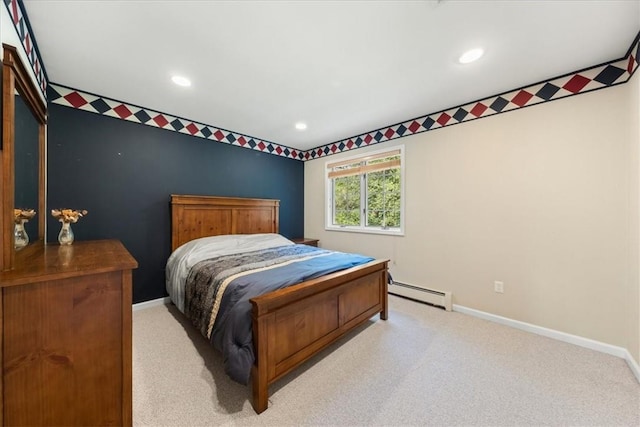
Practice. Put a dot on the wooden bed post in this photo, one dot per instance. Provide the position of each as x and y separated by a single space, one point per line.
259 370
384 294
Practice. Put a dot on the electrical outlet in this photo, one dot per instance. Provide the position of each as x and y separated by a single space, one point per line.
498 287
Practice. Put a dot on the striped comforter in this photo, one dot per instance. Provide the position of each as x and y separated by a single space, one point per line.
218 291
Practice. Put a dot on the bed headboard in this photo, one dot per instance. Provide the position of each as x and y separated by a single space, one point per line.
193 217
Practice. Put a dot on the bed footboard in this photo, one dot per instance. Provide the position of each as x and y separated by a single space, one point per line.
293 324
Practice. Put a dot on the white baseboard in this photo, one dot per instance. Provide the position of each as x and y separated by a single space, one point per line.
152 303
633 365
613 350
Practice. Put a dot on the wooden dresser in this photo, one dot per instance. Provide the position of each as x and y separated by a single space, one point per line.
65 313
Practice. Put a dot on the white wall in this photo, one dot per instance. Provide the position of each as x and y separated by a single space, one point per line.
543 198
633 300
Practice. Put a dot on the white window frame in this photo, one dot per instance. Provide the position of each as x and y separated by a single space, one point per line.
328 200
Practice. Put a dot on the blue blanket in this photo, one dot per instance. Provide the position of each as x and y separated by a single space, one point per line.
218 291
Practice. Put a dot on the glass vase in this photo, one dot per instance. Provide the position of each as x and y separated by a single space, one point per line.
65 237
20 236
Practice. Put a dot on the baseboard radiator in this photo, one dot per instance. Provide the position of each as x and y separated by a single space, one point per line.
420 293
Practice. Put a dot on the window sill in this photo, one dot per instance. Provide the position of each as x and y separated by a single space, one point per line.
364 230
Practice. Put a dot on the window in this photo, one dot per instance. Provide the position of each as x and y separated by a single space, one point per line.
364 193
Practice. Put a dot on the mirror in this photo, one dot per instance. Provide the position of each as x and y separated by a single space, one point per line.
26 164
23 130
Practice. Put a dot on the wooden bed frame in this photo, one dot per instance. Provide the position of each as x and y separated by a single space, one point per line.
292 324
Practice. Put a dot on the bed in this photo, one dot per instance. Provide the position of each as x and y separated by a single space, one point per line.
289 325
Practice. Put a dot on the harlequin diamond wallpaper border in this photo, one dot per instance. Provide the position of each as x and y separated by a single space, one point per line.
578 82
575 83
23 29
73 98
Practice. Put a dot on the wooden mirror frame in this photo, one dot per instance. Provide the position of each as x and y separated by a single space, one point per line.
16 78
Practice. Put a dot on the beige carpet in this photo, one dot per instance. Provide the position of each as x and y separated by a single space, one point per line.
423 366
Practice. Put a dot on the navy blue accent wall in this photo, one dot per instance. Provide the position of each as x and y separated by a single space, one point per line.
123 173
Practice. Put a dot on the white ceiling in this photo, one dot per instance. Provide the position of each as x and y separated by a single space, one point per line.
343 67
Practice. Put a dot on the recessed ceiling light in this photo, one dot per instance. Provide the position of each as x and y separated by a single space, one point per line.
301 126
471 55
181 81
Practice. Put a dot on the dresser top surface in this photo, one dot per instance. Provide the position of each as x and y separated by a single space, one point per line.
39 262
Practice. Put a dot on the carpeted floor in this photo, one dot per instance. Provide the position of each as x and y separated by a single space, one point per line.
423 366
